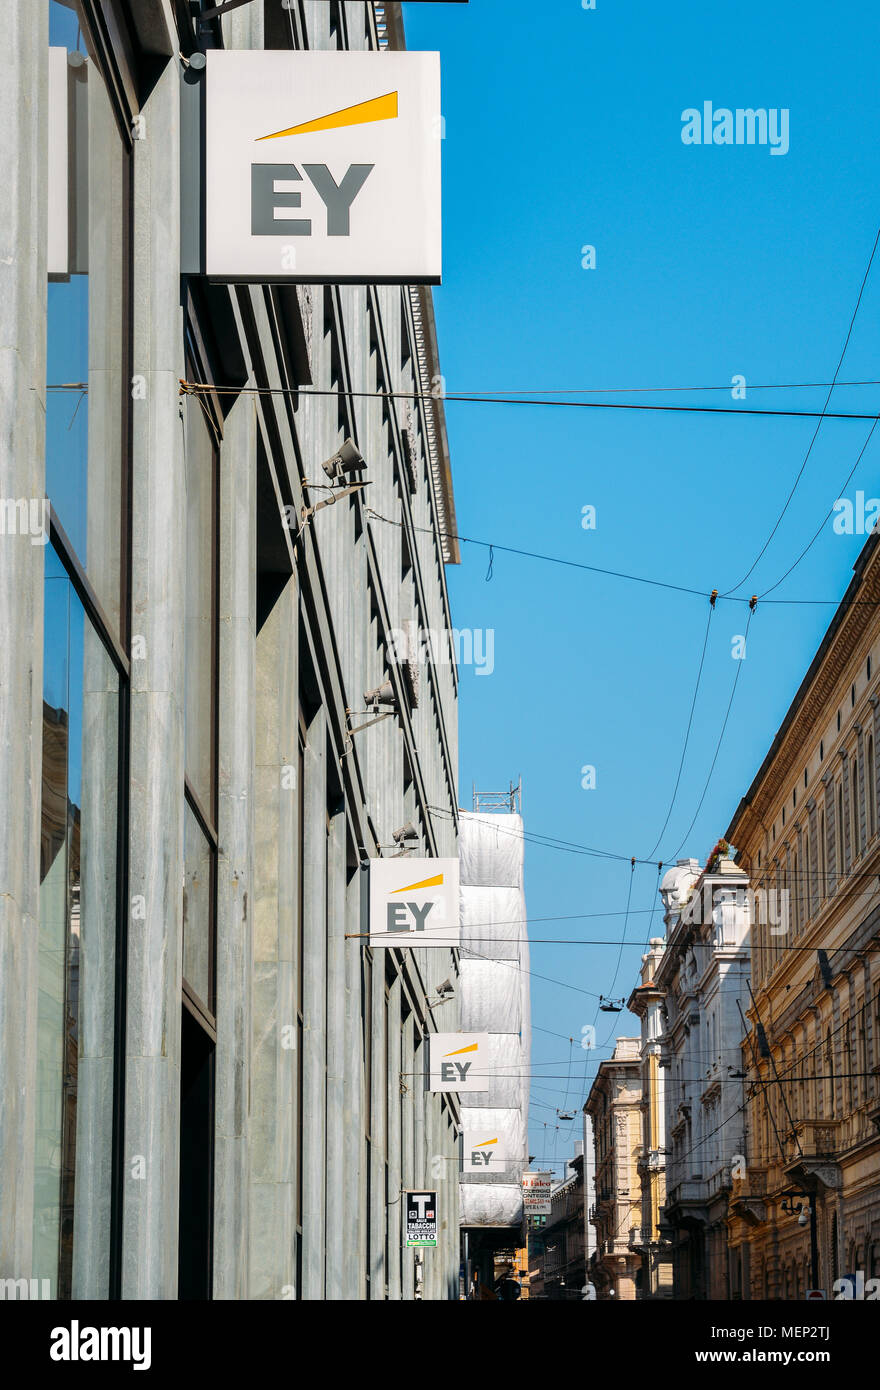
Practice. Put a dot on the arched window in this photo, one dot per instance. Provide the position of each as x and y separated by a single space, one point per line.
823 870
870 774
854 810
796 898
839 828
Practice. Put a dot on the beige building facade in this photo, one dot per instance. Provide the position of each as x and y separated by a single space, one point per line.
614 1106
646 1002
807 834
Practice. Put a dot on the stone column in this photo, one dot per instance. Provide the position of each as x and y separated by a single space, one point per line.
338 1240
274 1058
23 160
380 1214
235 869
314 967
153 1016
353 1214
395 1067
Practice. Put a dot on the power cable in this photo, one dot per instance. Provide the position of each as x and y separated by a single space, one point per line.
822 416
618 574
689 725
195 387
820 528
739 666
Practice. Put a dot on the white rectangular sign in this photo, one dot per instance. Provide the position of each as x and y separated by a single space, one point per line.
536 1189
57 194
458 1062
421 1218
483 1150
322 166
414 902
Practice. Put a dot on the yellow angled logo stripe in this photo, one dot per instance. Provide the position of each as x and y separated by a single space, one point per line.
376 109
425 883
472 1047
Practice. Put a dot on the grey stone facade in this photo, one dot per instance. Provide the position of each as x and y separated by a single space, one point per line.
319 1118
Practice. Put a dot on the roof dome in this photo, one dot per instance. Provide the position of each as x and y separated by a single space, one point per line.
677 883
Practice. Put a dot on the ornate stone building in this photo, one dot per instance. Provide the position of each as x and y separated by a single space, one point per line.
703 975
614 1106
808 825
646 1002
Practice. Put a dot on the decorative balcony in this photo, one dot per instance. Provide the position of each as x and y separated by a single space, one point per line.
813 1139
811 1148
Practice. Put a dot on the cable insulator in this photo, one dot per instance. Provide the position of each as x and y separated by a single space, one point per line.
712 597
753 603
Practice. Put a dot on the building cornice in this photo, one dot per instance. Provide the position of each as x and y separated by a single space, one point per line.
815 695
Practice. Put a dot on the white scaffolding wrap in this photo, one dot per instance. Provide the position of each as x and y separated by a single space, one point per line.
491 851
483 1203
491 922
494 999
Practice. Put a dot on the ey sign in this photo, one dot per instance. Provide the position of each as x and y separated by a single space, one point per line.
458 1062
322 166
483 1150
414 902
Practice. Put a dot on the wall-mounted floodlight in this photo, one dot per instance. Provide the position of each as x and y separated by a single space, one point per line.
381 702
382 695
406 835
348 459
445 995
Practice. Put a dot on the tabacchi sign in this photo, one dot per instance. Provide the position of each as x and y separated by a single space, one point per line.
414 902
322 166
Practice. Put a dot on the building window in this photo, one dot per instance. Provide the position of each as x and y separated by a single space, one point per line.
870 775
88 356
854 810
839 828
79 910
83 832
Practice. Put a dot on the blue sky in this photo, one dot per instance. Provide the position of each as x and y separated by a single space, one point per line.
563 129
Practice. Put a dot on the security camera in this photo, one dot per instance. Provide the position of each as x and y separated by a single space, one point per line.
348 459
447 987
804 1216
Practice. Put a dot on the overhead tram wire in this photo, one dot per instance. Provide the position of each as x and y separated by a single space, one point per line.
822 417
619 574
736 677
820 528
197 387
